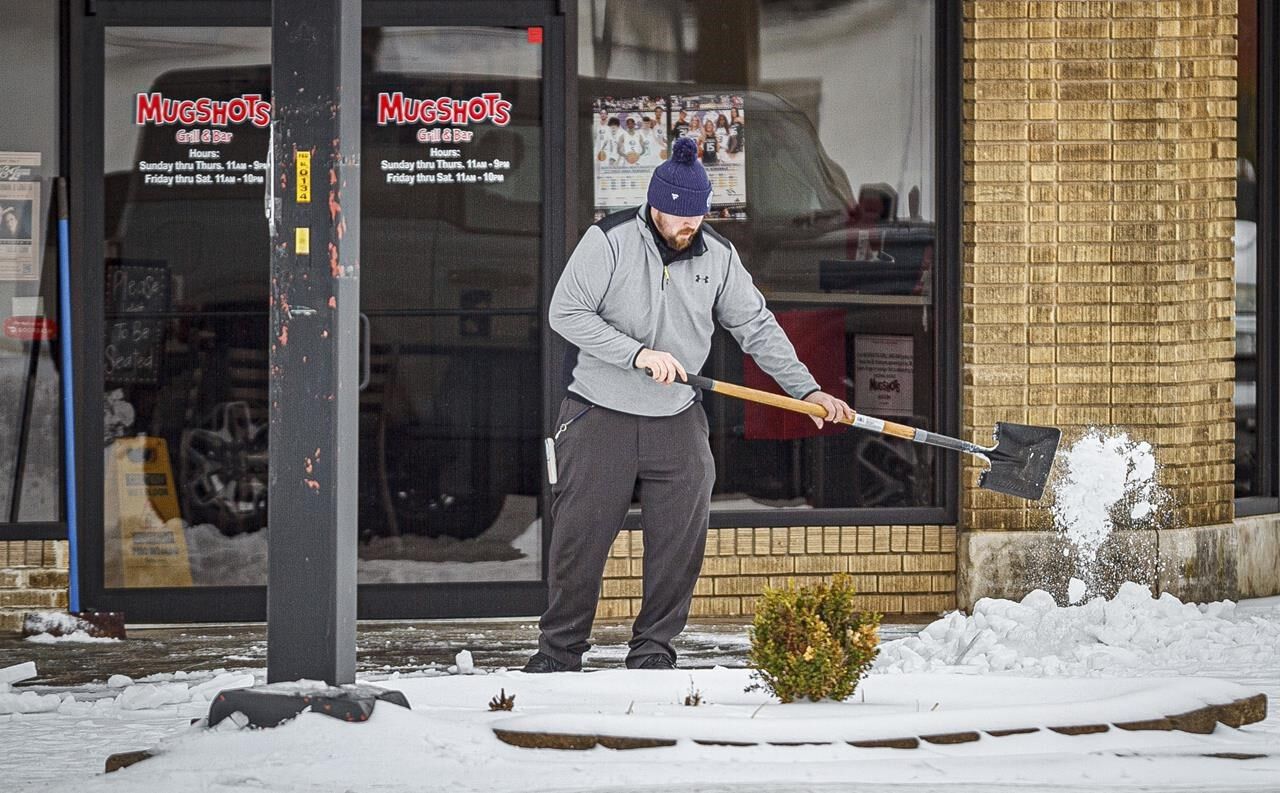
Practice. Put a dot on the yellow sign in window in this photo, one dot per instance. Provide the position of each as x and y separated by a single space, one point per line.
304 177
302 241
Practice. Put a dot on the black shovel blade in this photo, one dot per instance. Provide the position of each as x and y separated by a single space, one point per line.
1021 460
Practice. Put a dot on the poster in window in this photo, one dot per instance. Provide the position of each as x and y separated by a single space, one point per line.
628 140
631 136
883 374
19 210
717 124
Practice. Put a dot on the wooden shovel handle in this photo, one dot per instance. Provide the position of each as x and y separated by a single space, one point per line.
797 406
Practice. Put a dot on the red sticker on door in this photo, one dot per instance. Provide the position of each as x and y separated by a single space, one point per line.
30 328
535 35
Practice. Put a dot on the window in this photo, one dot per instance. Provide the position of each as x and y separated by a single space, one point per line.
30 380
1255 265
816 121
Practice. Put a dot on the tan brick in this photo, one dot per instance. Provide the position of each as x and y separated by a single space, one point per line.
820 564
617 568
884 604
613 609
32 598
621 588
721 565
716 607
915 539
778 541
866 539
767 565
928 604
930 562
875 563
740 585
904 583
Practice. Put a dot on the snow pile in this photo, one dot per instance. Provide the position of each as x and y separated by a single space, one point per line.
1105 479
75 637
1132 634
167 691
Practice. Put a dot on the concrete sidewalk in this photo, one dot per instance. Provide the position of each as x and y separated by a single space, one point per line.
382 648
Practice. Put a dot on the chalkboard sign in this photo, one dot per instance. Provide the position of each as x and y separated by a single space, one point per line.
133 349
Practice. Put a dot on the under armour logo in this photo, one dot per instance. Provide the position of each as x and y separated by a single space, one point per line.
675 196
701 279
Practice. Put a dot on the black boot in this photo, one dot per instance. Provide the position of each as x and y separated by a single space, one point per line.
542 663
652 661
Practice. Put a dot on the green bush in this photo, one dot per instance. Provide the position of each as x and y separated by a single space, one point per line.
811 642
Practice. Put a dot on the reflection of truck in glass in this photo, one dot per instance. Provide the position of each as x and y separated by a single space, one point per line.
450 285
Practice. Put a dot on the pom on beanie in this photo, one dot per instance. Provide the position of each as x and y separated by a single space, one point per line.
684 151
680 185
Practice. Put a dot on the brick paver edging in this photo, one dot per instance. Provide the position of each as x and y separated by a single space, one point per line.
1236 713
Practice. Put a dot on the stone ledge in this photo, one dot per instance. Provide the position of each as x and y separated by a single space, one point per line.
1201 563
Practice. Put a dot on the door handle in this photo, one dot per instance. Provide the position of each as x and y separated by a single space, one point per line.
366 347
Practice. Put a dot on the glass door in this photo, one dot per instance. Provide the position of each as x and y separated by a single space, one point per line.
172 137
451 255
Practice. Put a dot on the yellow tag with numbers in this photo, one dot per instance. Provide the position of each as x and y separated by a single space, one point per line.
303 173
302 240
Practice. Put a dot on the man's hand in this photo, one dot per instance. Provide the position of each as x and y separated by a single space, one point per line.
663 366
837 409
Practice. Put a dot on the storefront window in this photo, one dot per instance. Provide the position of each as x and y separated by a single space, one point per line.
30 381
816 123
1248 482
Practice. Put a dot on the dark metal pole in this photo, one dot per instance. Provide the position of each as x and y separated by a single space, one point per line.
315 303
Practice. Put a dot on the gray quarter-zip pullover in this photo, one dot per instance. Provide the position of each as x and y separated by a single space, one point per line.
616 298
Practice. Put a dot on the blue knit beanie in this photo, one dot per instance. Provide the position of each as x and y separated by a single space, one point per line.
680 185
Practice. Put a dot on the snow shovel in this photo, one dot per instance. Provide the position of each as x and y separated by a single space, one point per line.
1020 460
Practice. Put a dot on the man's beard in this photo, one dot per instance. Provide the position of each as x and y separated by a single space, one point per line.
682 240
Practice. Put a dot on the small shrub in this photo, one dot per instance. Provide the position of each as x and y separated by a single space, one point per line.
810 641
503 701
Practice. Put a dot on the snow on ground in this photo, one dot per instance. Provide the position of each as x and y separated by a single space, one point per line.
446 741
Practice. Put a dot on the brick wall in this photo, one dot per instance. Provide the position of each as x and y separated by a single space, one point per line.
1099 149
33 577
896 569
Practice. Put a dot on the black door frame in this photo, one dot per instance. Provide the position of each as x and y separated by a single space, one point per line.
85 166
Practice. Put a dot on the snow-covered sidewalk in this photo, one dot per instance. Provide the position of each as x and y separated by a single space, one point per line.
446 742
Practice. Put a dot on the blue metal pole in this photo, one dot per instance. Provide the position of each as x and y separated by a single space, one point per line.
68 414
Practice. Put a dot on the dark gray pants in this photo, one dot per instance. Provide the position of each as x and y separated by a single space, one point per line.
601 456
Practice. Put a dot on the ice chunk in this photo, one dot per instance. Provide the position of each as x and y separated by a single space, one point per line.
1075 590
1039 600
23 671
466 665
149 696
